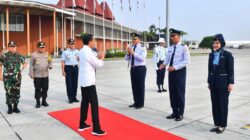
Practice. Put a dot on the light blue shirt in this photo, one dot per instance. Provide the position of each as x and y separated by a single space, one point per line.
140 55
181 57
216 58
70 56
160 54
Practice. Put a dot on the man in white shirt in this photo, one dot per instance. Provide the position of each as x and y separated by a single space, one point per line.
160 53
88 63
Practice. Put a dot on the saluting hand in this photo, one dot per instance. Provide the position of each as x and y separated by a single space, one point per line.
230 87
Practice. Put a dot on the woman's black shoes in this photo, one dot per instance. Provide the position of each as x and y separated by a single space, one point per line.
214 129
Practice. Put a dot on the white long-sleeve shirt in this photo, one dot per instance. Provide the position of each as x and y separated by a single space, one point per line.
160 54
88 63
181 56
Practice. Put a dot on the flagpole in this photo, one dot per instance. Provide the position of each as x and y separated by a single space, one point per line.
62 31
145 37
94 16
2 24
121 25
73 22
84 23
103 26
167 22
112 42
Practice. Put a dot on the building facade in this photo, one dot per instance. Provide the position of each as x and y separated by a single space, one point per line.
28 22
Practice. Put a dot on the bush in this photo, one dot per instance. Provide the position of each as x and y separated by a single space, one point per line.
115 53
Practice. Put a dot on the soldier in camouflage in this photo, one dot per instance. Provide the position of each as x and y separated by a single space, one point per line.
12 63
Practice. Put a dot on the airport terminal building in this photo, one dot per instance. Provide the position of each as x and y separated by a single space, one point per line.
28 22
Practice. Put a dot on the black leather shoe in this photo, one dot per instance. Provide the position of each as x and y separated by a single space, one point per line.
75 100
44 103
38 104
16 110
172 116
159 91
220 130
214 129
133 105
164 90
139 107
71 101
179 118
10 111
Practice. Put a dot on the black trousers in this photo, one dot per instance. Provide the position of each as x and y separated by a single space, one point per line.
219 98
160 74
71 81
138 76
177 85
89 96
41 87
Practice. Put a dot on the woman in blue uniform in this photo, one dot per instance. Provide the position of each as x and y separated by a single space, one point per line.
220 82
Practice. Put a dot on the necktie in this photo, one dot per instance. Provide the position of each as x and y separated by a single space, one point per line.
172 57
133 58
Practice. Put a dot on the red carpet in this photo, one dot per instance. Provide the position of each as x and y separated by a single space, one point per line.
118 127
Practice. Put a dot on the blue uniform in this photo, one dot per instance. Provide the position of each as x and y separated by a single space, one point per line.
220 75
178 56
138 73
70 58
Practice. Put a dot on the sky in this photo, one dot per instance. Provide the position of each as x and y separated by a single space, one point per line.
199 18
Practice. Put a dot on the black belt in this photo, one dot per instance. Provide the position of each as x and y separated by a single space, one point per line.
71 66
137 66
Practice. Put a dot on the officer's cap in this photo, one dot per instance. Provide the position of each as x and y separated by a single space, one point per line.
135 35
221 39
12 44
174 31
41 44
71 41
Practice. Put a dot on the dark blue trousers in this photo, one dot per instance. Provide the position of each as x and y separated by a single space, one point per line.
138 76
177 85
219 98
160 74
71 81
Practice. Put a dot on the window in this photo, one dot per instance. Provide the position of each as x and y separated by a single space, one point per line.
16 23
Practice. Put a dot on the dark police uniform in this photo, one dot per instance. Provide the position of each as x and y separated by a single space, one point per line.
220 75
138 72
178 57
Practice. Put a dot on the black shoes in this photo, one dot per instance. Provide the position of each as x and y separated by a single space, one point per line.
214 129
44 103
131 106
179 118
15 109
172 116
164 90
75 100
99 133
38 104
71 101
10 111
159 91
220 130
139 107
85 127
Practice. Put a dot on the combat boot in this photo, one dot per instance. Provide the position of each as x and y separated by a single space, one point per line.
16 110
10 111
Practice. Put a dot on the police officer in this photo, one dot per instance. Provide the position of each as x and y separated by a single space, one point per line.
178 58
13 63
136 55
69 64
220 82
40 63
160 53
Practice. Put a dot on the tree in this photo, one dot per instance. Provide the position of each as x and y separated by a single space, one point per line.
207 42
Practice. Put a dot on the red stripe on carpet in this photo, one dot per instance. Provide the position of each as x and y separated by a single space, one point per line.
118 127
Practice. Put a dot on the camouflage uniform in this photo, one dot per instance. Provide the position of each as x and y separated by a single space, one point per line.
12 75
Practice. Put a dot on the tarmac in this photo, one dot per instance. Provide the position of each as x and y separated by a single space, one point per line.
114 93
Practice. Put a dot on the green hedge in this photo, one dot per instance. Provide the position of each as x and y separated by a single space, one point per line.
115 53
